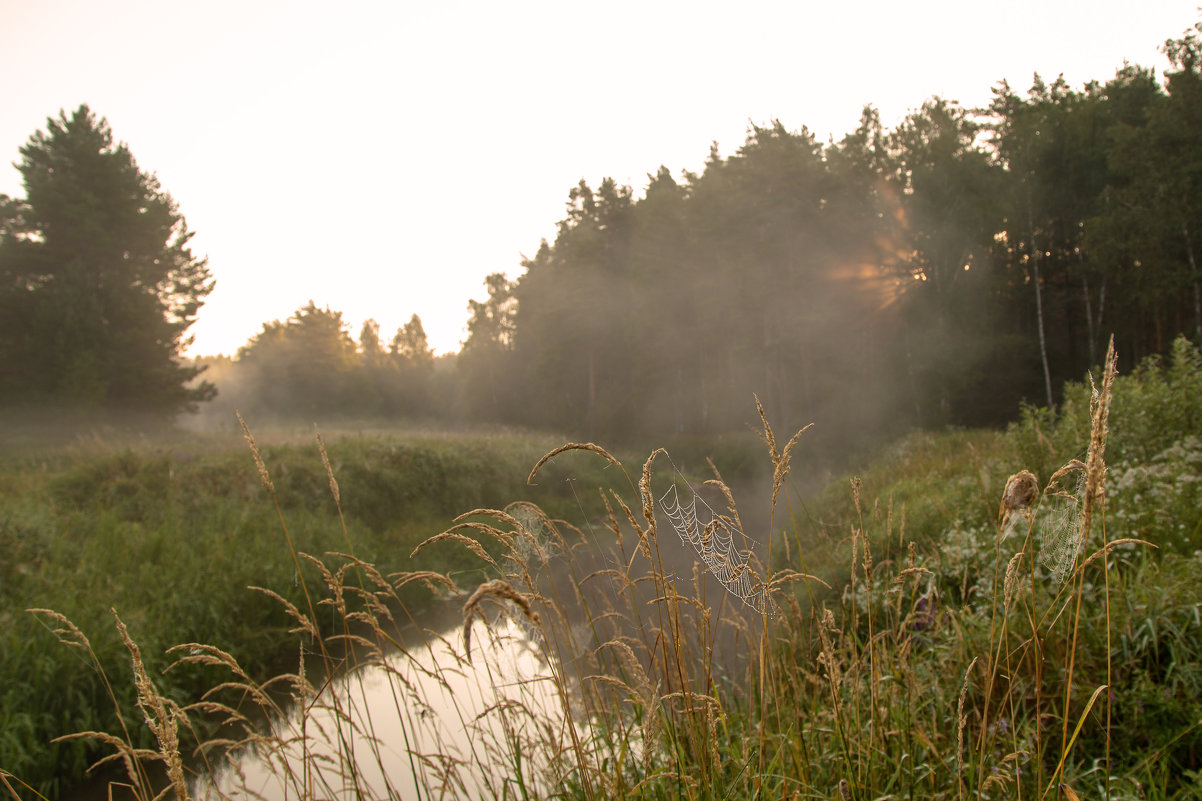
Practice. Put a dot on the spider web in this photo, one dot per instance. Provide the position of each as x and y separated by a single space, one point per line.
1063 537
713 540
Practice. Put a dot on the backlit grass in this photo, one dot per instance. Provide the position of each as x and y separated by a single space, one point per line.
926 637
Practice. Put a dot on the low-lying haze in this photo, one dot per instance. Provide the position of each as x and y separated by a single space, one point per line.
382 159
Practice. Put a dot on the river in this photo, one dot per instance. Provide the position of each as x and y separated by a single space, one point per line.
425 723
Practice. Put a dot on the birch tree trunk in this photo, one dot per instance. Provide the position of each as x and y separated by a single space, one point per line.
1043 345
1193 269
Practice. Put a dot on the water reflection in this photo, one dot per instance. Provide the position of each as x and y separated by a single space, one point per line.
425 722
633 635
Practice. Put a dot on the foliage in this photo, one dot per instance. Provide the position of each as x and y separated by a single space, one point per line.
1157 407
98 283
1163 495
172 532
934 634
938 273
920 642
302 364
1139 604
307 368
485 361
930 653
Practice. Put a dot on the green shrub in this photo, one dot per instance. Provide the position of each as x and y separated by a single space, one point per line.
171 534
1154 407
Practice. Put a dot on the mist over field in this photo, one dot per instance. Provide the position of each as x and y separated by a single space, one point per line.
940 272
975 575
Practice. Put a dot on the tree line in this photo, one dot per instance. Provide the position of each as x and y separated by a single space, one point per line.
937 273
308 367
98 283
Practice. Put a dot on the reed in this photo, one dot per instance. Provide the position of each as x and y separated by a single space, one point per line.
627 655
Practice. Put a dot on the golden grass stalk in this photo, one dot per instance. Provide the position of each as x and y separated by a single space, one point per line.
306 623
453 536
572 446
128 755
496 588
1095 474
254 451
69 634
325 461
1010 582
1076 731
1095 462
645 497
961 722
780 459
162 716
12 791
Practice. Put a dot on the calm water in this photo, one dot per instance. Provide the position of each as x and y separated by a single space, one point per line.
428 721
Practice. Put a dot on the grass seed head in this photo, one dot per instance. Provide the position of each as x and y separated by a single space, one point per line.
162 717
961 717
67 632
1019 497
1022 490
496 588
572 446
254 451
1011 580
325 460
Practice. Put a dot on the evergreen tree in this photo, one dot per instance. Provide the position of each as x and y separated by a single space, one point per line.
1135 236
412 363
371 352
304 366
410 345
98 284
1157 162
949 190
485 359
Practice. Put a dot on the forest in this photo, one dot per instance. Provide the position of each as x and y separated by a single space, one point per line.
938 273
935 629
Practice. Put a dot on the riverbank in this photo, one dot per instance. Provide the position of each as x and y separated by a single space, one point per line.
984 614
172 532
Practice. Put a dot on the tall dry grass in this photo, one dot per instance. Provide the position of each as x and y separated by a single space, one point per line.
647 677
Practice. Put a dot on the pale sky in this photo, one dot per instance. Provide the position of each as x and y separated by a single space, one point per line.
382 158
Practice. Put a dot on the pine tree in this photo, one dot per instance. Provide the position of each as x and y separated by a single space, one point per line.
98 284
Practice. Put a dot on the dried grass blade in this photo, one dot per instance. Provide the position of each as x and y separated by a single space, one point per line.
572 446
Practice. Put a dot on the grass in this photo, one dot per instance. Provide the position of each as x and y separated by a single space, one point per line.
971 617
172 533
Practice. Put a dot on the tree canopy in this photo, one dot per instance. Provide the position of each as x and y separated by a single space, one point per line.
939 273
98 283
308 367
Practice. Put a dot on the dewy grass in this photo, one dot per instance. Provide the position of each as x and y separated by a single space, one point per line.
171 533
903 660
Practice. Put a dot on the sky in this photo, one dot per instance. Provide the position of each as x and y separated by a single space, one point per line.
382 158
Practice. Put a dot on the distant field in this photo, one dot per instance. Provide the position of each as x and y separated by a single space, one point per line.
171 531
977 614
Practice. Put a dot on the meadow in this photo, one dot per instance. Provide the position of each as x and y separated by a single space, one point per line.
172 532
976 614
